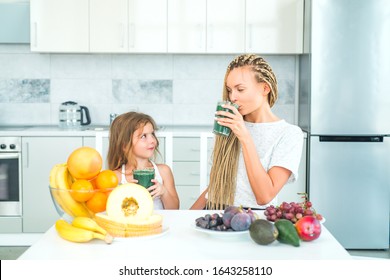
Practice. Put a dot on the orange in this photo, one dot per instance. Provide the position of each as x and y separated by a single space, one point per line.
106 179
98 202
82 190
84 163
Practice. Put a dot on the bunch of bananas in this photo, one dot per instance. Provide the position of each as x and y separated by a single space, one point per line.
61 179
82 229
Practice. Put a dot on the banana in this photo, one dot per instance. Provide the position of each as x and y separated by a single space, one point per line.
62 179
89 224
56 195
75 234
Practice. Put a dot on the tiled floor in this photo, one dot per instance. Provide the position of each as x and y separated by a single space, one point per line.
12 253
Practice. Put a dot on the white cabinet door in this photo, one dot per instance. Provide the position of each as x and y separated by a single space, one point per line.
225 26
59 25
39 155
109 26
148 26
274 26
187 26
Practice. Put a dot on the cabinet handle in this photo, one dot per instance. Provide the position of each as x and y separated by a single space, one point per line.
35 34
211 37
194 173
199 26
26 155
195 150
132 35
122 35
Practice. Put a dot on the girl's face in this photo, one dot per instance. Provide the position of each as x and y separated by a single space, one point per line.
144 142
245 91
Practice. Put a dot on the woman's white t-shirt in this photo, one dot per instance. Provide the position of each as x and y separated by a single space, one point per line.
158 205
277 144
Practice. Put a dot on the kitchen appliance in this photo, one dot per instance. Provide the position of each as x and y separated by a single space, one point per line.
10 176
345 107
73 116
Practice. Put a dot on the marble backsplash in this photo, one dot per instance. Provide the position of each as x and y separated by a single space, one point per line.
175 89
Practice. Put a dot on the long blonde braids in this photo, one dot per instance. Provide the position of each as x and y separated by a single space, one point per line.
222 185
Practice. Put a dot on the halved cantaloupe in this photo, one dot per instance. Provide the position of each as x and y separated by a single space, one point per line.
129 202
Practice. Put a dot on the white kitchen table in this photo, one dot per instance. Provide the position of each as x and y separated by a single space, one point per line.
181 241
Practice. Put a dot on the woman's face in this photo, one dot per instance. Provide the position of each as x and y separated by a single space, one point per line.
144 142
245 91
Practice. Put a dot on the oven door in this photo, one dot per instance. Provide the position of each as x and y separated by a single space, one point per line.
10 184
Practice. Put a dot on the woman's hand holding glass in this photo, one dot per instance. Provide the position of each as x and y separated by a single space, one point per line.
234 121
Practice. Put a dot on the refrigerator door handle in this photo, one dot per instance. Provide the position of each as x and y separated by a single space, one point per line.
339 138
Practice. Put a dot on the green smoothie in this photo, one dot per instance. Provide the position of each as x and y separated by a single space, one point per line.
220 129
144 176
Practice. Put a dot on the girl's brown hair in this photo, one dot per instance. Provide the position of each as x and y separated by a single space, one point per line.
223 176
121 138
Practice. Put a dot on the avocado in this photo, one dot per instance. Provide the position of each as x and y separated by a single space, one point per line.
263 232
287 232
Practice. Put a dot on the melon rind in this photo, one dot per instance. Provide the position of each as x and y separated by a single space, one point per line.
139 193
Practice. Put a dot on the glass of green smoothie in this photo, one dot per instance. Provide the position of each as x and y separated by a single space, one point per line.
144 176
220 129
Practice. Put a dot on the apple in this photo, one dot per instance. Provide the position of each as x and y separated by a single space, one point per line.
308 228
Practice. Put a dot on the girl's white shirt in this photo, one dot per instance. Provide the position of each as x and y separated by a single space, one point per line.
158 205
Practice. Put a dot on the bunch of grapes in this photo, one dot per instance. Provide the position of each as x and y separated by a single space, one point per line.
292 211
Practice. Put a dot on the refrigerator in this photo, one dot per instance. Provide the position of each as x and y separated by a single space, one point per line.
344 105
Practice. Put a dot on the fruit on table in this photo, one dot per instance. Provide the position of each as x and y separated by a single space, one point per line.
89 224
130 212
62 180
130 201
226 221
106 179
292 211
287 232
84 163
263 232
76 234
308 228
81 190
240 221
121 227
97 203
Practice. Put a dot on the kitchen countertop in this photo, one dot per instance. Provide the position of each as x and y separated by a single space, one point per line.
92 130
180 240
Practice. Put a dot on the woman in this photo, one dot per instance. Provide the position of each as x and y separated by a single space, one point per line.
262 154
132 145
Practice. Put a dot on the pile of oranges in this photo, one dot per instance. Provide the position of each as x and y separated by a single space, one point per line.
90 184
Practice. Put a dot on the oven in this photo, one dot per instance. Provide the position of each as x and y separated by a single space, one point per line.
10 176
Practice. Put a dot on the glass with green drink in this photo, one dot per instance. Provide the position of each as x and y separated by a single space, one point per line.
220 129
144 176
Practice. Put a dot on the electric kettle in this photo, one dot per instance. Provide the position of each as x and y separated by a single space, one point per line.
73 116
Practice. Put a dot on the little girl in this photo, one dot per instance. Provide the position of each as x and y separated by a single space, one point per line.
132 145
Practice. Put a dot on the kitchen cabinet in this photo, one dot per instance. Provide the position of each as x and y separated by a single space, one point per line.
148 26
225 26
109 30
10 224
39 155
187 26
59 25
187 168
279 29
15 22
